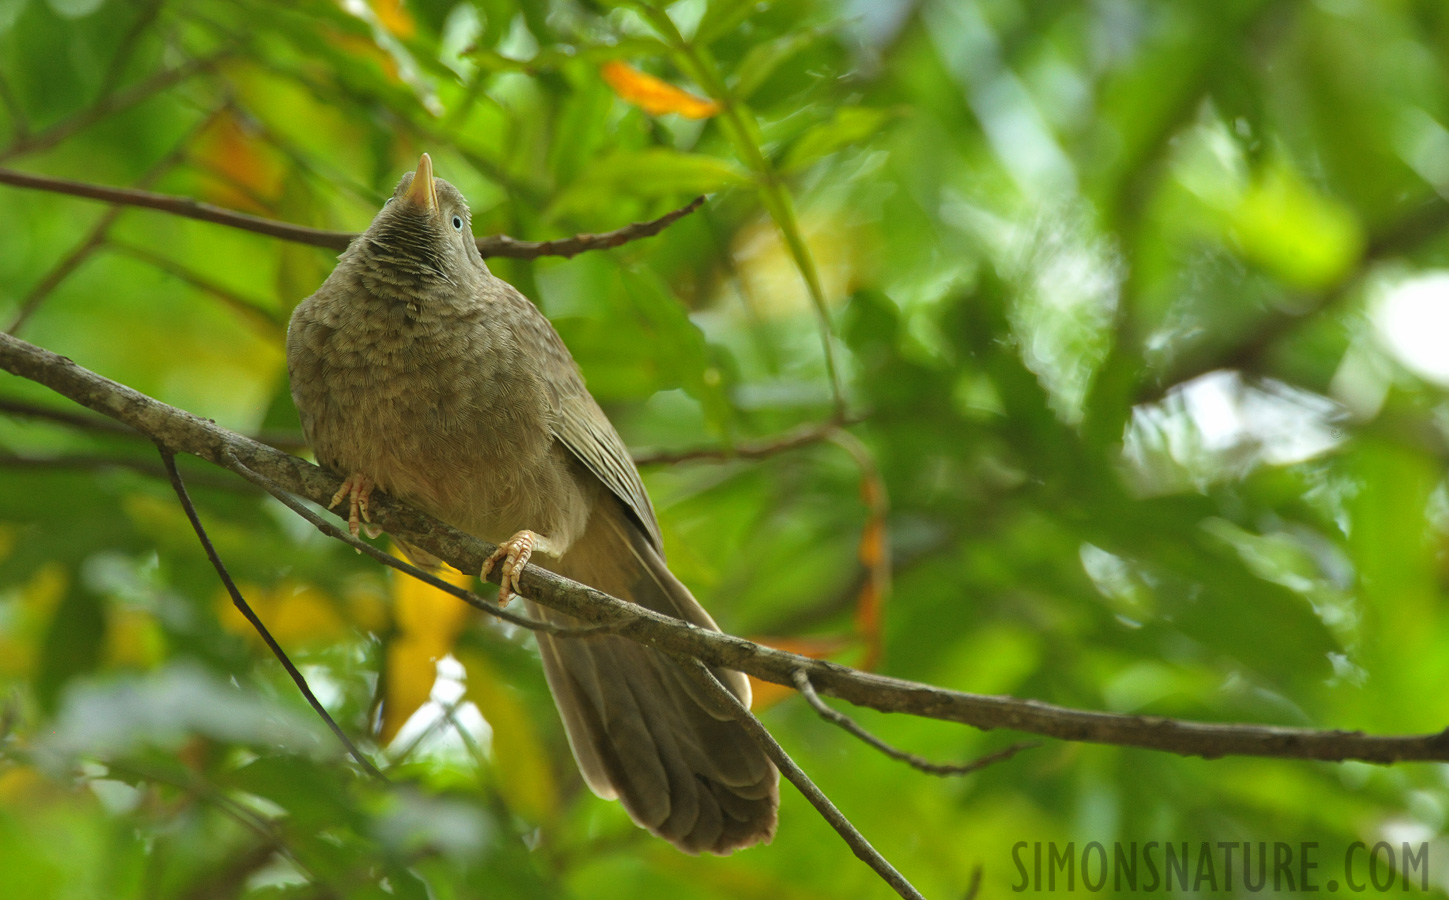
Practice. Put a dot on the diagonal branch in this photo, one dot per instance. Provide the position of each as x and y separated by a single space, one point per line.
182 432
498 245
788 767
65 268
168 459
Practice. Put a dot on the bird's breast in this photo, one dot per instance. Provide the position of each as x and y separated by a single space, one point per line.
439 411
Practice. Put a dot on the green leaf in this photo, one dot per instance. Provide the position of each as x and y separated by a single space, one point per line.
656 172
720 17
848 126
763 59
679 345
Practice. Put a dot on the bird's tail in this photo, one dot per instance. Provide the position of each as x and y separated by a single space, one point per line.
640 727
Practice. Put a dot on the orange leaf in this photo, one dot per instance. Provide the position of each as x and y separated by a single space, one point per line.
391 16
654 95
248 174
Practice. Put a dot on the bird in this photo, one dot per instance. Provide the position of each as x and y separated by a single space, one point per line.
416 372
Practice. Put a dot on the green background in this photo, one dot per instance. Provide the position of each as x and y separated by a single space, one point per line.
1139 311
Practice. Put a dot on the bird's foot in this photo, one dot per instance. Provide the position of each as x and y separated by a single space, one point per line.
515 553
358 489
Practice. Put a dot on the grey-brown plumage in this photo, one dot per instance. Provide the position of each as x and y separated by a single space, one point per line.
418 372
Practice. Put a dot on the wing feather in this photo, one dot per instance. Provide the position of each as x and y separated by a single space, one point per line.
581 426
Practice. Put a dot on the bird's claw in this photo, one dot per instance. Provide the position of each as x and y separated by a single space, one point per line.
358 489
515 553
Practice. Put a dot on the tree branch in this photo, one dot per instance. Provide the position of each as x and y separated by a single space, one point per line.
428 578
168 459
183 432
498 245
804 435
835 717
858 844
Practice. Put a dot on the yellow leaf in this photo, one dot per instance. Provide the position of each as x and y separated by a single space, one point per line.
654 95
295 613
412 667
304 614
428 622
19 784
424 610
391 15
525 778
133 639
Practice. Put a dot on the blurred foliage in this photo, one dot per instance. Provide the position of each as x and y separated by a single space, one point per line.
1142 306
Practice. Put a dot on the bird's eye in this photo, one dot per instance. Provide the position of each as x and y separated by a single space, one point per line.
457 223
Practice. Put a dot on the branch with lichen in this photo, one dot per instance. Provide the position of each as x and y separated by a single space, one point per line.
182 432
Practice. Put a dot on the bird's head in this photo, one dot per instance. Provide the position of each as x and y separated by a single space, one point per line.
423 234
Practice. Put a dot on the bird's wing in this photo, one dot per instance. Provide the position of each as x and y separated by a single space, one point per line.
581 426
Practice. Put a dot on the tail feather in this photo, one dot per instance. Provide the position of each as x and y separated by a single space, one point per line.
639 726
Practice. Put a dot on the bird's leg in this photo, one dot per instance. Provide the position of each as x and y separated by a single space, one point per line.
358 489
515 553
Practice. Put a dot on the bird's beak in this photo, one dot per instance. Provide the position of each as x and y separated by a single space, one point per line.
423 192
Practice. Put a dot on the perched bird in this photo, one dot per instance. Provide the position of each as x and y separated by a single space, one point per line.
419 373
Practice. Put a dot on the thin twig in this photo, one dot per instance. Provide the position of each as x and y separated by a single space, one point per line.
416 743
503 245
450 713
804 435
498 245
65 268
836 717
126 47
387 559
169 459
253 310
180 206
852 836
182 432
974 887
